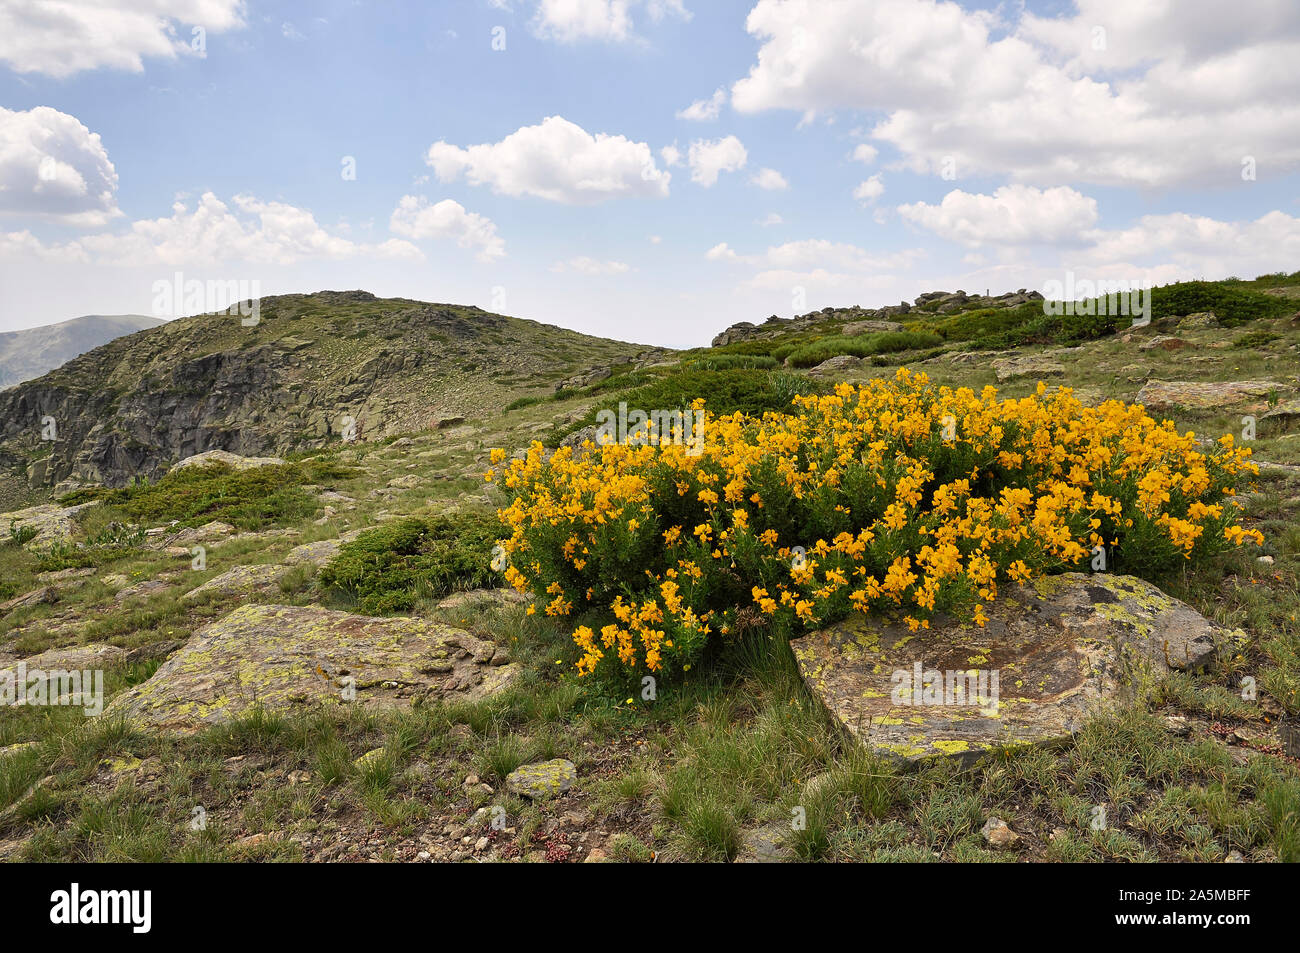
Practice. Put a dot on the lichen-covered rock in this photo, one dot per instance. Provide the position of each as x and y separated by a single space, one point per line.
1027 365
54 524
232 460
241 579
871 327
284 656
482 599
837 365
1050 656
542 780
1201 395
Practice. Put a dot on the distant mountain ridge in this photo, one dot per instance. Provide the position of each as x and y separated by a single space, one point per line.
27 354
314 369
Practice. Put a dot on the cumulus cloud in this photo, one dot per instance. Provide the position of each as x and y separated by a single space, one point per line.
709 159
556 160
865 153
584 265
53 167
770 179
211 231
870 190
1012 215
826 265
416 219
705 110
63 37
572 21
1170 98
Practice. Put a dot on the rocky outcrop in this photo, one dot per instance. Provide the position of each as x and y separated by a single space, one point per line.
53 524
1027 365
225 458
1050 655
282 657
1201 395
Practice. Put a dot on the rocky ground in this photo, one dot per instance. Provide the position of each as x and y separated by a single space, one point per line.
254 713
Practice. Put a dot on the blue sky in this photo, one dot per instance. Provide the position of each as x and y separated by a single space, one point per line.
567 177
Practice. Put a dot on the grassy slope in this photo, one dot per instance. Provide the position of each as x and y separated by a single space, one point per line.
689 774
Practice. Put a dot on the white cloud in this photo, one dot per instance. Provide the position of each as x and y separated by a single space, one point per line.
866 154
415 218
1196 246
1012 215
1175 98
671 155
705 110
53 167
259 232
770 179
771 218
584 265
708 159
571 21
811 253
556 160
63 37
870 190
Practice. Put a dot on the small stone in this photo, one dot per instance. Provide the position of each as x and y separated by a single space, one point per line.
998 834
482 843
1235 857
1177 725
596 856
544 779
1265 560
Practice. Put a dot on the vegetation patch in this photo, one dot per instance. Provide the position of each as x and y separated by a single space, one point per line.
389 569
248 499
896 496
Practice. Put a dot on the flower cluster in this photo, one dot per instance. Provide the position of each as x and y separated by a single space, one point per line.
896 495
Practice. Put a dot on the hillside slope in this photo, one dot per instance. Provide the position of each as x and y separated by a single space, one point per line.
316 368
29 353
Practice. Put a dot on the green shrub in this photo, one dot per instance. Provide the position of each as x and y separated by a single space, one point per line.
750 390
889 342
248 499
1231 304
389 568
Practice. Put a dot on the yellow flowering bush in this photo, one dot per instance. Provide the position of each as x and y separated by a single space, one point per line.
896 495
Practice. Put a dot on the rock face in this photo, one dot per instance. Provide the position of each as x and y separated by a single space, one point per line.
1050 655
870 327
1247 395
542 780
284 656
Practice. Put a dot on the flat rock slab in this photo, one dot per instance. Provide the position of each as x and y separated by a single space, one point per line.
225 457
1050 656
1028 365
53 523
285 656
1199 395
542 780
